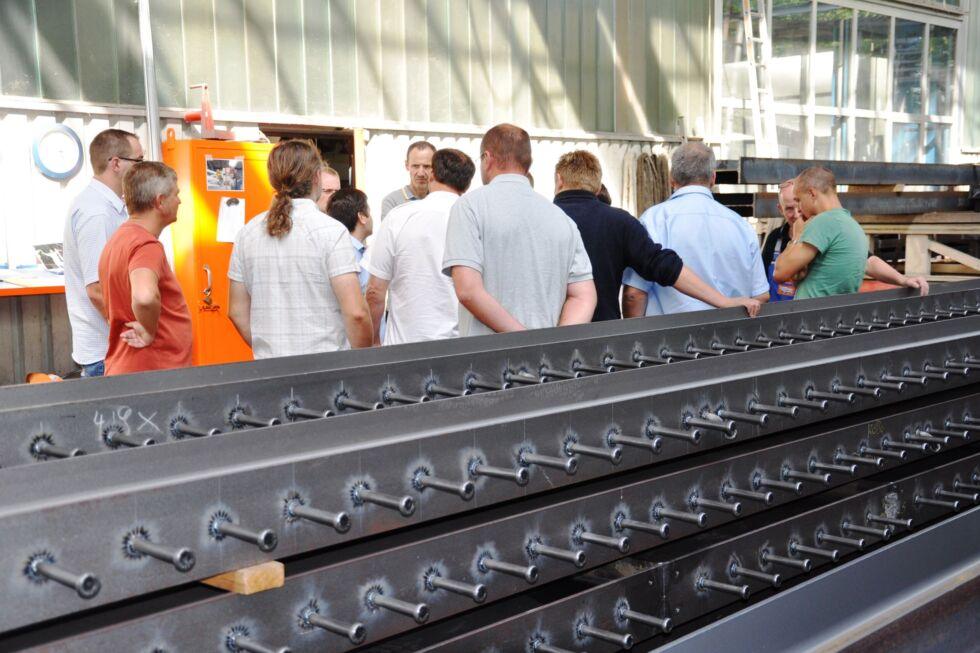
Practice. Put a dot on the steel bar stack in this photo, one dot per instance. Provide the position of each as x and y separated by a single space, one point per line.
649 483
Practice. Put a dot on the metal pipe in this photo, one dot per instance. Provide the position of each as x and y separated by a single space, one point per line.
734 509
830 467
621 544
809 337
679 355
653 445
891 521
539 646
765 497
578 366
418 611
568 465
652 360
442 391
721 346
820 405
237 642
180 429
972 496
616 362
705 352
843 397
355 632
662 529
752 344
837 539
884 453
789 486
725 426
931 373
922 436
149 79
665 625
758 420
404 504
906 446
240 418
926 501
841 457
576 557
806 476
476 383
936 432
830 554
295 412
622 640
788 411
339 521
772 579
550 373
399 398
343 401
42 447
881 385
87 586
265 539
874 393
116 438
519 475
181 558
463 490
771 558
477 592
529 572
614 454
881 533
917 380
693 436
700 519
705 583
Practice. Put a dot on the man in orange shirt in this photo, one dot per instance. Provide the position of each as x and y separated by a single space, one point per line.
149 324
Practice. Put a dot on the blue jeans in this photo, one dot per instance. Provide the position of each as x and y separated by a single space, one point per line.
93 369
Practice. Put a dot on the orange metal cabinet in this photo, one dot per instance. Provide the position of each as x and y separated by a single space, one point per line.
200 260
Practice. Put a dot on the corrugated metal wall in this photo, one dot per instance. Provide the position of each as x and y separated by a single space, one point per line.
597 65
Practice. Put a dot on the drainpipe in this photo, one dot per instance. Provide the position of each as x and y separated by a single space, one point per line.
149 81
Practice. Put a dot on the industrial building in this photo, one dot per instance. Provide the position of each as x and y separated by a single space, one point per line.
700 481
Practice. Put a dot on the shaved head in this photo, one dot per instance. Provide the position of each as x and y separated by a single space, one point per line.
819 179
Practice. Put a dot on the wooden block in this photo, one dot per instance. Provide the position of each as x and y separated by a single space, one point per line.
250 580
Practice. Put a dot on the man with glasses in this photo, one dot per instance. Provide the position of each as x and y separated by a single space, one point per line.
93 217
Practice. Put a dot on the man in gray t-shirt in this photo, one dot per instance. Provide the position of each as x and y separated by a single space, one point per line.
418 163
517 261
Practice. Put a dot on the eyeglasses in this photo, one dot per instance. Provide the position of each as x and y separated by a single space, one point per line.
126 158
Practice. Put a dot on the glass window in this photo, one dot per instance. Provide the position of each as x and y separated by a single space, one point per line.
869 139
942 54
790 50
872 61
905 142
736 79
833 54
829 137
791 136
937 143
907 88
738 128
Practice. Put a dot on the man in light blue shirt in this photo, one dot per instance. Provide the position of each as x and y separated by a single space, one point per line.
349 206
712 240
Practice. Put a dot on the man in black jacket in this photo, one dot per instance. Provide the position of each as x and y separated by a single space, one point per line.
615 240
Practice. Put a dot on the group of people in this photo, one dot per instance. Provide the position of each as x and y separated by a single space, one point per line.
444 261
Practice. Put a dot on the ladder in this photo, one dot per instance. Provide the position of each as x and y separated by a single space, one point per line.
760 79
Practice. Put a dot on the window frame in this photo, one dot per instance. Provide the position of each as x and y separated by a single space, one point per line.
932 15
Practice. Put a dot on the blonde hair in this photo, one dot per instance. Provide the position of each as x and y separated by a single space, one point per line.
580 170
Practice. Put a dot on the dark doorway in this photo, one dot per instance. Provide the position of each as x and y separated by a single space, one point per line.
336 146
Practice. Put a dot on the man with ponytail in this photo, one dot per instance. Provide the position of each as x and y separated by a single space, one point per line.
294 287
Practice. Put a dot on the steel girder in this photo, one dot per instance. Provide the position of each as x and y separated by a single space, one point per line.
871 173
633 599
101 415
894 203
670 582
48 510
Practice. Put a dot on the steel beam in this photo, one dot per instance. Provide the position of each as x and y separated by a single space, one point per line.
104 415
252 480
446 551
871 173
897 203
665 583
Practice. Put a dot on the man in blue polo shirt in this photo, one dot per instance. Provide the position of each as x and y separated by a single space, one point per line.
713 241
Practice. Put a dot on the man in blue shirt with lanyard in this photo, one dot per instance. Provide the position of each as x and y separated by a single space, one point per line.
777 241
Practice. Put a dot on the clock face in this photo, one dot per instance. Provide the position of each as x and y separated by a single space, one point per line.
58 153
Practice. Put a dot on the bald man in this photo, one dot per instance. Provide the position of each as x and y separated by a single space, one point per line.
828 251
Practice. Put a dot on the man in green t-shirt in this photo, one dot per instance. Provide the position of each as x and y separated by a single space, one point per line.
828 251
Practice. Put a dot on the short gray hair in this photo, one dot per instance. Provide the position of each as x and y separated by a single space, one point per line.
692 163
146 181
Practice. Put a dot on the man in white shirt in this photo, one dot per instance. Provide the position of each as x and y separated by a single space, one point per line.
406 259
92 219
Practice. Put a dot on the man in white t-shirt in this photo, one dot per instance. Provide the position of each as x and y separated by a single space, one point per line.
92 219
406 259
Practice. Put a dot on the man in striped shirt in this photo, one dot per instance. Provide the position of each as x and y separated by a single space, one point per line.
92 219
